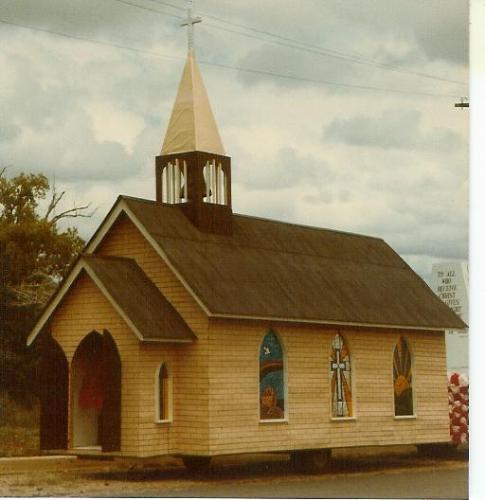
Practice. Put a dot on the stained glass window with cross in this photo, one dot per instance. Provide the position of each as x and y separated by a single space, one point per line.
340 375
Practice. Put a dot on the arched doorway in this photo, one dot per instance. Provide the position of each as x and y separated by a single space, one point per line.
110 425
52 376
96 393
87 391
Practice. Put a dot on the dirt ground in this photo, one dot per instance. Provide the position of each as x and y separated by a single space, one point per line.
69 476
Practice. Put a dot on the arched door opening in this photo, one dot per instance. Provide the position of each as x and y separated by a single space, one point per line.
52 375
96 393
87 391
110 425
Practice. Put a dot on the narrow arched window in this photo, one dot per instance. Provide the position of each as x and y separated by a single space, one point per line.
163 394
215 183
403 379
340 376
174 185
271 379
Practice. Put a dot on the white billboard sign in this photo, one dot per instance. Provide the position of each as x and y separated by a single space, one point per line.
449 281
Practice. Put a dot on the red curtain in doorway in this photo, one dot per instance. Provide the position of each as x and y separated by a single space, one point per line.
91 394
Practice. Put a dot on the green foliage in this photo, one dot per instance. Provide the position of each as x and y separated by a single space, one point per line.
37 252
34 255
19 427
17 361
19 197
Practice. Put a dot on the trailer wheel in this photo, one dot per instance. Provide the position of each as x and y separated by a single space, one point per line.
310 461
196 463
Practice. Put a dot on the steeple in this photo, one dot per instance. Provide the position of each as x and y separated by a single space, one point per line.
192 171
192 126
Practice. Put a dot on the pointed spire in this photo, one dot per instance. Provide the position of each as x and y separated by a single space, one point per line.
192 126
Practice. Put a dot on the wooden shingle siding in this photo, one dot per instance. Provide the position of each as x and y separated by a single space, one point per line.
234 389
83 310
188 363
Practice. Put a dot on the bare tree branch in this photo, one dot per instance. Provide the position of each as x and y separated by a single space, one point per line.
73 213
55 199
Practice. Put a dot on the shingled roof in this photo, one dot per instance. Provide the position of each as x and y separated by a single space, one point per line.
139 299
133 295
275 270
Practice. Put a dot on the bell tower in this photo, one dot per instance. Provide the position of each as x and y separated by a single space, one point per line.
192 170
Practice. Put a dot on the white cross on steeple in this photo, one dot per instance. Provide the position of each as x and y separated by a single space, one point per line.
189 21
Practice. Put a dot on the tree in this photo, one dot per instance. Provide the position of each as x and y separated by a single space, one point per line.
35 253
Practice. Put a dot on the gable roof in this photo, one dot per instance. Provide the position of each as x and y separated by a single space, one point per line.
279 271
192 126
132 294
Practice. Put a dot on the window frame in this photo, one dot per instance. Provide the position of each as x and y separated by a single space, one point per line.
353 416
169 410
285 419
413 415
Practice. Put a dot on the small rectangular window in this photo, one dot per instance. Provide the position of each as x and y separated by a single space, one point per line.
163 408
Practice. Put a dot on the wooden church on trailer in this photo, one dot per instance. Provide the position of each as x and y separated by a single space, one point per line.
189 330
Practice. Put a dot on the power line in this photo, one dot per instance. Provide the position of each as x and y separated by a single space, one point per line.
327 82
89 40
168 4
148 9
226 66
335 56
304 46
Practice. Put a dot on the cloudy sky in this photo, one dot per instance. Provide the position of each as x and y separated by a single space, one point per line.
337 114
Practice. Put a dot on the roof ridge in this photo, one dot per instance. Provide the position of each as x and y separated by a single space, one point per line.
305 226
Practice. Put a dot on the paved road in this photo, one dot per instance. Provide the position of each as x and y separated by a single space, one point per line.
438 483
406 476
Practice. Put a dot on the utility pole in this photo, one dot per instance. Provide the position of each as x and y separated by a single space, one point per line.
463 103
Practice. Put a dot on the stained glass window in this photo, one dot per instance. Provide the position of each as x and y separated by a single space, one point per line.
402 377
163 393
340 375
271 379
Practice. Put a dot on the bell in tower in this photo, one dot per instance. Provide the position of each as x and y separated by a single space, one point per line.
192 170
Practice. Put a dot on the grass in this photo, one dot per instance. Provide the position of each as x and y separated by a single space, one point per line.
19 427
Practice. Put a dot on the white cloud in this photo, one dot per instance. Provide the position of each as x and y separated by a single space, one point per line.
391 165
394 128
111 124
